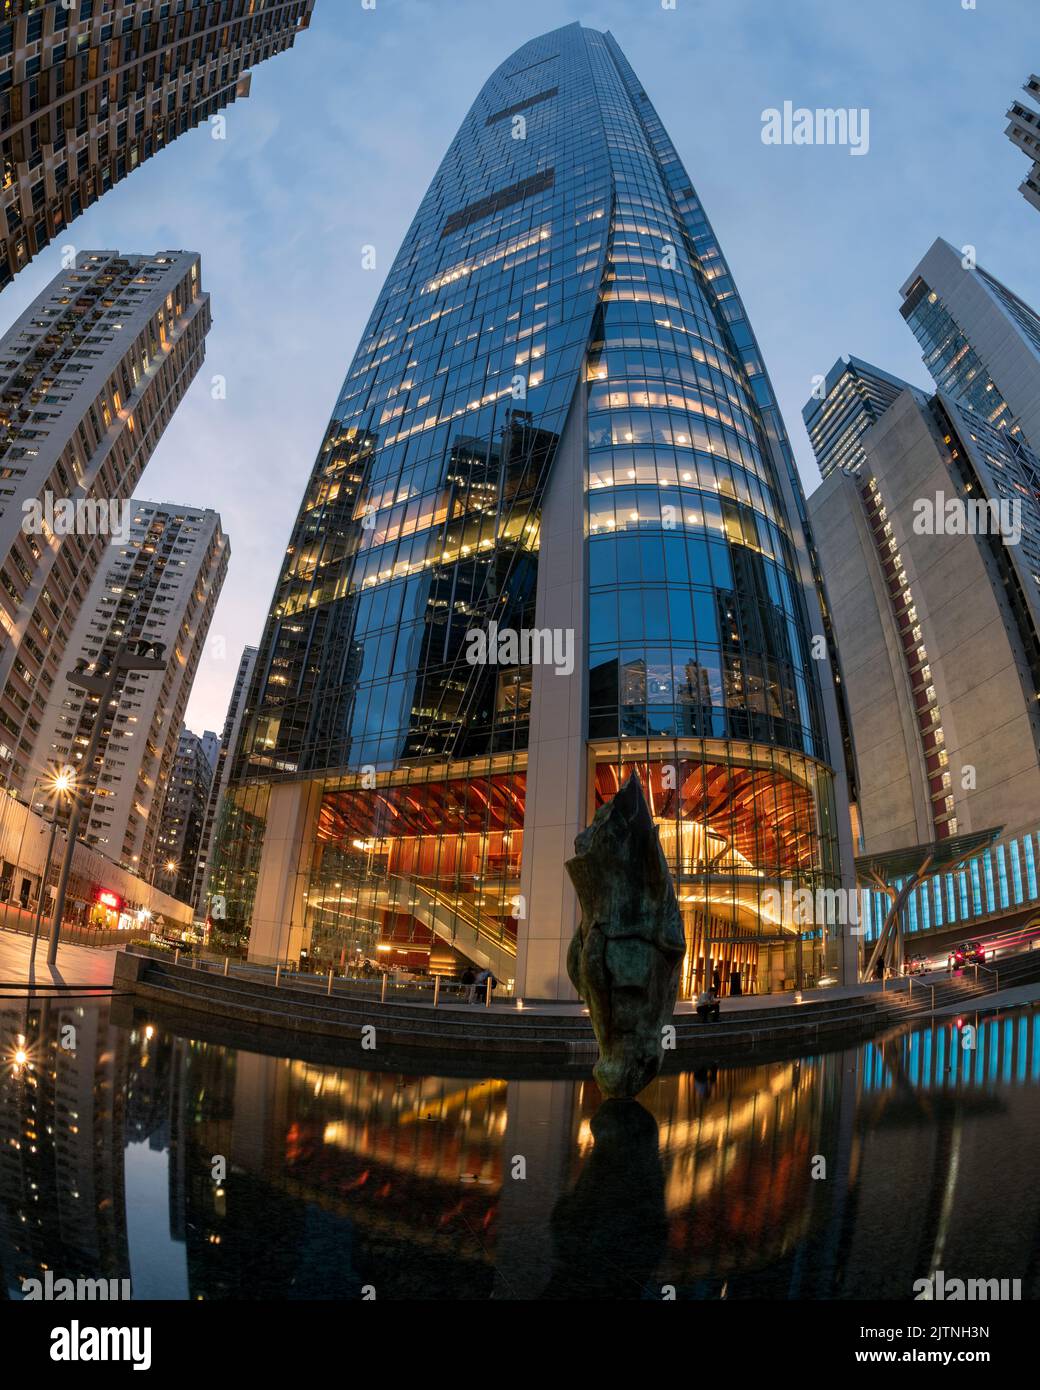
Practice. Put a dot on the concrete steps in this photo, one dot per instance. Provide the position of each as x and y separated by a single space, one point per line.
303 1011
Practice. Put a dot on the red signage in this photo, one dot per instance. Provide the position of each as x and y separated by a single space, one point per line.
107 899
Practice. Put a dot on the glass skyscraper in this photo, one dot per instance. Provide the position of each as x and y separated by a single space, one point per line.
554 533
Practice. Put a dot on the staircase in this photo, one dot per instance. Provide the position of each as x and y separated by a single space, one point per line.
473 1038
463 929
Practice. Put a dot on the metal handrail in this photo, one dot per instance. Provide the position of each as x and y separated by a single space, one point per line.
992 970
470 916
326 980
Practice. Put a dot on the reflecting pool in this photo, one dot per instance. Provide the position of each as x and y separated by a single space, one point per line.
198 1171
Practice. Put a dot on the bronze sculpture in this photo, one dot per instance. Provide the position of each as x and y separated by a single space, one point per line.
625 957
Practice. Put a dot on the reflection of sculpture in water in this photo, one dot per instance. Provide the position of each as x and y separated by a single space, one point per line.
609 1233
625 957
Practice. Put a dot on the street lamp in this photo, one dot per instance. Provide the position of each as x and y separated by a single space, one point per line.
61 783
50 780
137 654
64 780
169 866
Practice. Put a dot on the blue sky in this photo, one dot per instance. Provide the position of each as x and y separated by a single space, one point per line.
336 144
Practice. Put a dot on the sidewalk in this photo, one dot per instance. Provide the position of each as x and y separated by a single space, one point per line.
745 1003
552 1008
993 1003
15 918
76 965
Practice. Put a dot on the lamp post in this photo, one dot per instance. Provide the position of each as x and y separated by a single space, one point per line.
138 654
62 782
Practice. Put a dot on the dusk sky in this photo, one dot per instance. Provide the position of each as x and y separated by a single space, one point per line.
340 137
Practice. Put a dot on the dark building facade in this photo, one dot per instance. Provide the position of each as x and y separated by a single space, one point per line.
554 535
183 817
221 776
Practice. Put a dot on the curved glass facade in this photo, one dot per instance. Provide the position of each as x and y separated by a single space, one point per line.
559 268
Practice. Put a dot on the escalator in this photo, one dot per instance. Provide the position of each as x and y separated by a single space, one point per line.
480 939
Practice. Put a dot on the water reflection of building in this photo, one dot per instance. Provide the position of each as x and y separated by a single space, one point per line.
336 1179
422 1195
427 1188
62 1205
945 1175
907 1130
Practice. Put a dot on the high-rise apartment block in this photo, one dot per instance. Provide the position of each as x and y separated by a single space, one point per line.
981 341
1024 131
554 536
183 817
221 776
161 583
90 89
90 376
851 398
210 741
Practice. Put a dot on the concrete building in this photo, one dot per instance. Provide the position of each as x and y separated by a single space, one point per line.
211 748
934 590
162 583
981 342
221 777
937 629
1024 131
928 535
550 431
88 92
90 375
184 813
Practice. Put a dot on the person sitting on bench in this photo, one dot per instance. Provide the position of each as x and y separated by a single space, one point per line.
708 1005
